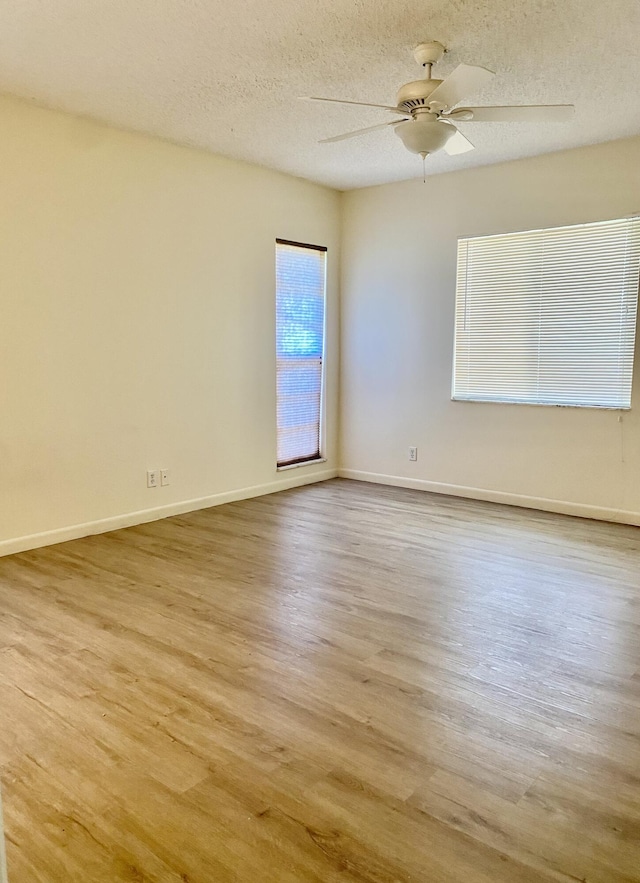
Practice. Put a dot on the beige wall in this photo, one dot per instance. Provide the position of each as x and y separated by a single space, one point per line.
137 330
399 246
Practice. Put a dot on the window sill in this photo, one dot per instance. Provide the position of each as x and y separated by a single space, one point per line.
542 404
297 465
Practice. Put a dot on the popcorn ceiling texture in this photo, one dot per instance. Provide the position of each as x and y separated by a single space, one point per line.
225 76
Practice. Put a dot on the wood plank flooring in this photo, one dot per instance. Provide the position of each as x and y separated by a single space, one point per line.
343 682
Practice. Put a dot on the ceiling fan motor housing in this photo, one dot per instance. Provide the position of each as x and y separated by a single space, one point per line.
416 94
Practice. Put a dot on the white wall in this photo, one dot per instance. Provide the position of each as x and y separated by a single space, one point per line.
398 291
137 330
137 324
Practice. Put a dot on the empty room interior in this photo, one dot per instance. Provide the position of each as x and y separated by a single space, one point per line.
320 441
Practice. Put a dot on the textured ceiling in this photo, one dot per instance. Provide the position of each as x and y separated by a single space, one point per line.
225 76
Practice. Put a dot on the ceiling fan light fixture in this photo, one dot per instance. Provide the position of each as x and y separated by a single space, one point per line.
424 135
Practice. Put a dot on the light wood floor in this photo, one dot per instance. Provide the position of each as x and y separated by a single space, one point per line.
343 682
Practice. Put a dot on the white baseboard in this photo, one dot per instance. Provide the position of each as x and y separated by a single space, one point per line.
563 507
129 519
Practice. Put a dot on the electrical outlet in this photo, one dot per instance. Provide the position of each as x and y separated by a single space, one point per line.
413 453
164 477
152 478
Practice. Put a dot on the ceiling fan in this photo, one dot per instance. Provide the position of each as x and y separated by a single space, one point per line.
427 108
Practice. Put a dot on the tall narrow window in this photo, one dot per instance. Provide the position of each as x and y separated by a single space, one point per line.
300 298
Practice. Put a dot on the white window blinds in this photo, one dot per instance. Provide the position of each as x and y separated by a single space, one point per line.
300 295
548 316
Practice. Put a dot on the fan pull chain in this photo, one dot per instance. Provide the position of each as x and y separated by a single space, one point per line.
424 167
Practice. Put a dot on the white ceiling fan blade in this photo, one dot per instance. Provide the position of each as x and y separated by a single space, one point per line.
357 103
359 132
465 79
534 113
458 144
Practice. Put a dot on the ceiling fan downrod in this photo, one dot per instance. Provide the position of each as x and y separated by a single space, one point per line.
428 54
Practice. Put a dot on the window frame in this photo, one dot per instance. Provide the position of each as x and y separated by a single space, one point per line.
629 291
321 456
